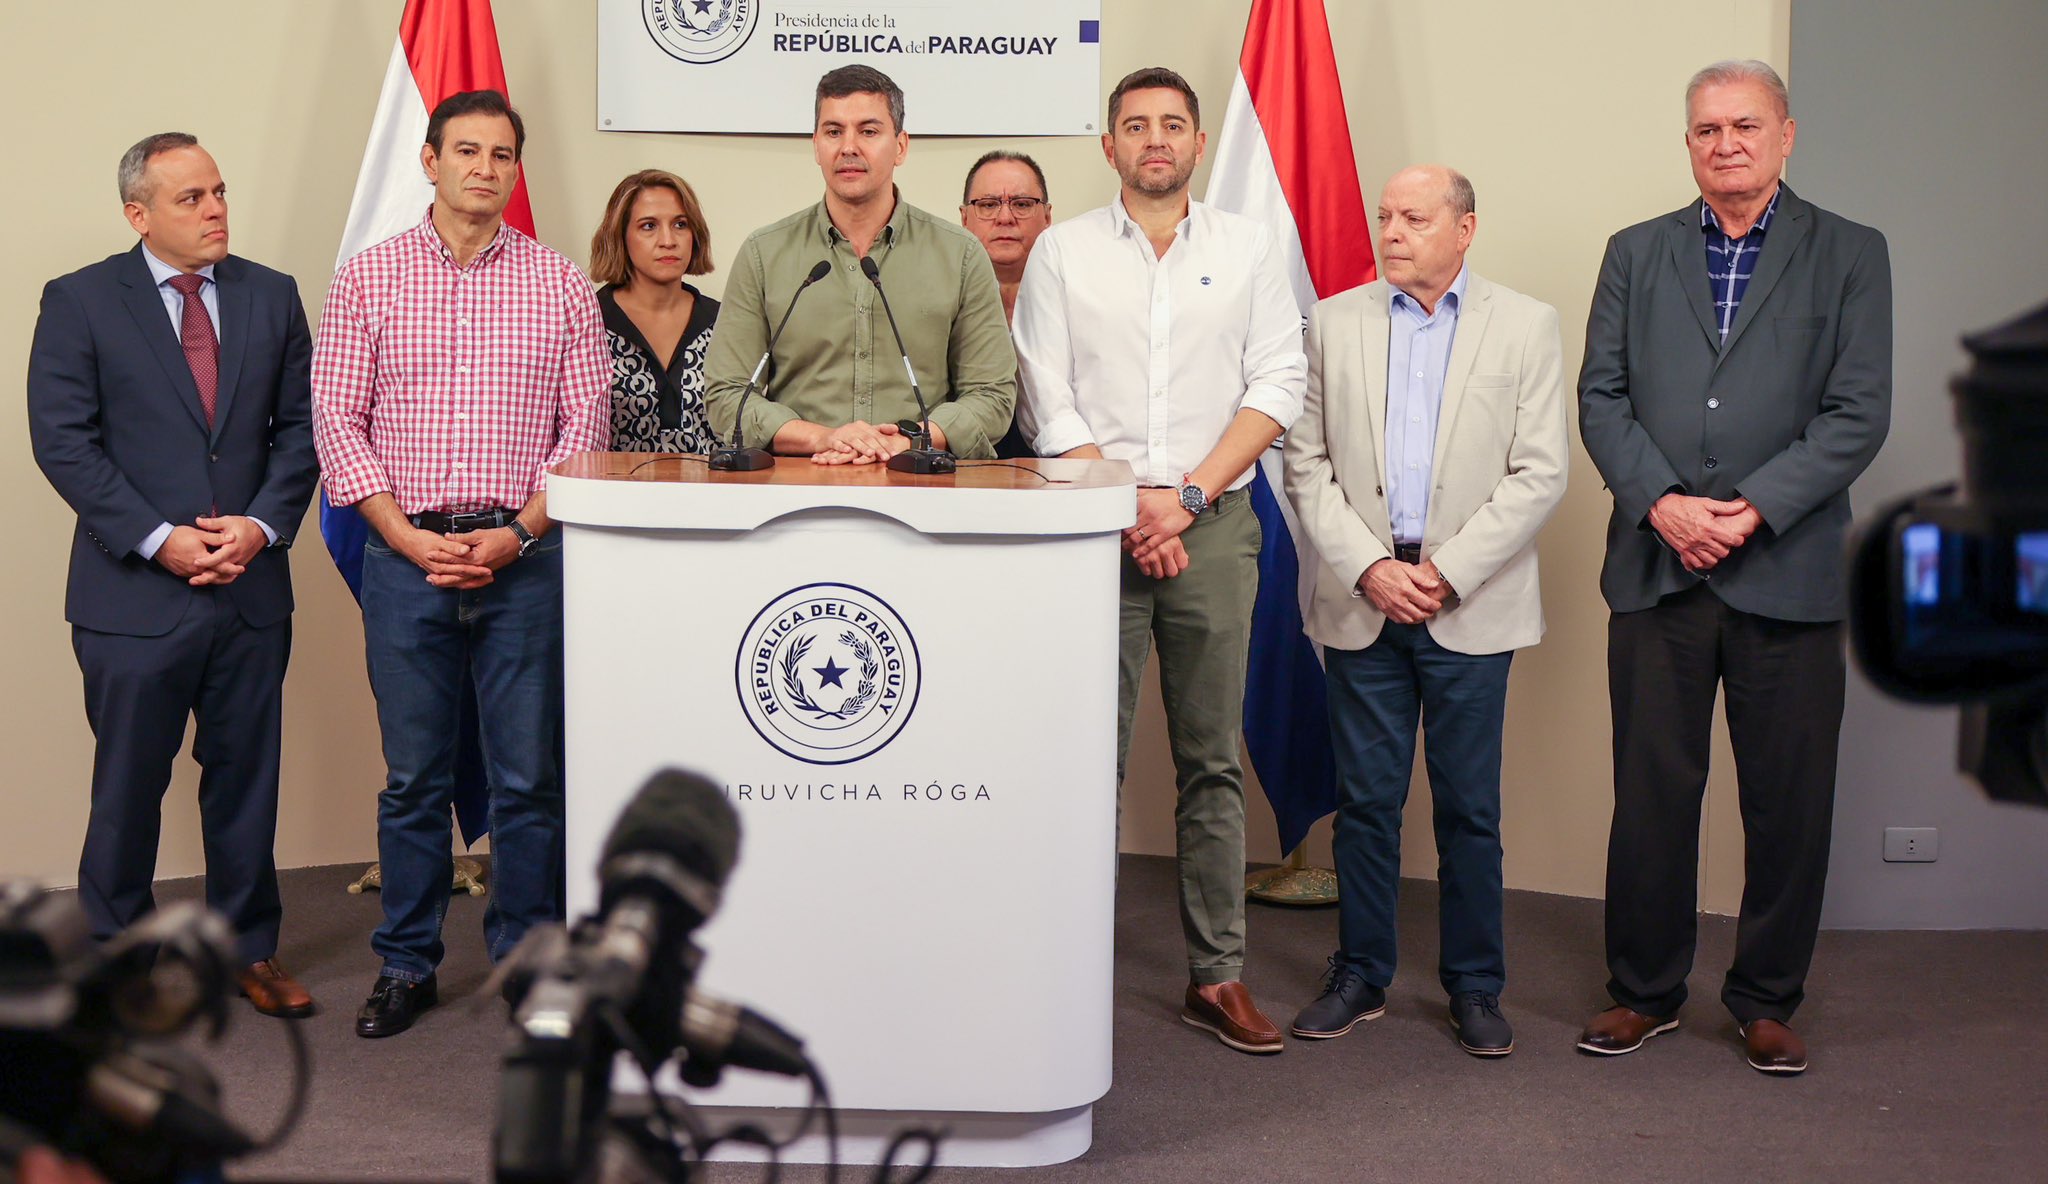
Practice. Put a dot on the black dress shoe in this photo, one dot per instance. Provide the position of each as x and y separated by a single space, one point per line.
1482 1030
1347 1001
394 1004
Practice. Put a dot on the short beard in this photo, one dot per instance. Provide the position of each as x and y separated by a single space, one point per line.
1174 184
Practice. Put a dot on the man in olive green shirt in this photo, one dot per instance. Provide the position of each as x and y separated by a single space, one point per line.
836 390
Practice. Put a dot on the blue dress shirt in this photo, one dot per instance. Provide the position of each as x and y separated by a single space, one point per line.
1731 261
1418 359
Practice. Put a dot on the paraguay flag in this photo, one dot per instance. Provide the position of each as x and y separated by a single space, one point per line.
1283 156
444 47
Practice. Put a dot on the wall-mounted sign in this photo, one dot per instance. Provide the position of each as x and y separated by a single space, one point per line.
967 67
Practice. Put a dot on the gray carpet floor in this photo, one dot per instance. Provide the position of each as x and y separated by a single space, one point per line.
1928 1063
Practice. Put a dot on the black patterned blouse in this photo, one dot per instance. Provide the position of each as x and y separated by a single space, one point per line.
656 409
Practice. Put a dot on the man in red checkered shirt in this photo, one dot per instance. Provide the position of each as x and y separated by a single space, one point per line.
456 363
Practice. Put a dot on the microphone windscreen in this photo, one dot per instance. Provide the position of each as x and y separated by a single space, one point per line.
819 271
868 269
683 816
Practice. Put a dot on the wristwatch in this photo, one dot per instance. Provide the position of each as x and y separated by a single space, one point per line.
1193 498
527 542
912 428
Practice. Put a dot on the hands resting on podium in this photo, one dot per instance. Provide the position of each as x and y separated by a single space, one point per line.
863 443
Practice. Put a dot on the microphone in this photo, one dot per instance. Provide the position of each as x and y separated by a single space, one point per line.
921 456
660 876
745 460
719 1035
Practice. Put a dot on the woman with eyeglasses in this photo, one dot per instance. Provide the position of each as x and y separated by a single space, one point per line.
652 235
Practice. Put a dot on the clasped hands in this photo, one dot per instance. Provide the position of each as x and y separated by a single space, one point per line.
1154 539
212 550
462 561
1407 593
1703 530
862 443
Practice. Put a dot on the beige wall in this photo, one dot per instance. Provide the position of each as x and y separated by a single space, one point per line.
1566 119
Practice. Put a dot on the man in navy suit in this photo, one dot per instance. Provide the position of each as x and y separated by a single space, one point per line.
170 404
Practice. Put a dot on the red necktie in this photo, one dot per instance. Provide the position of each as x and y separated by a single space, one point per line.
202 347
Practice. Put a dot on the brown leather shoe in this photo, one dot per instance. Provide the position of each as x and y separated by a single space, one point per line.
1232 1016
1618 1030
274 992
1773 1048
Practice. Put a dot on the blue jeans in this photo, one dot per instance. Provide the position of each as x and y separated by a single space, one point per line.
422 641
1376 695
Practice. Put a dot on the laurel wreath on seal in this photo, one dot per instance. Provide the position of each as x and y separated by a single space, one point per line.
719 23
793 683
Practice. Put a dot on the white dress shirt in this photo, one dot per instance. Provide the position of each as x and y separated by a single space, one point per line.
174 307
1150 357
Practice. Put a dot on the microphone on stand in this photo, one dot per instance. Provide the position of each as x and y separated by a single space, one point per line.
921 456
745 460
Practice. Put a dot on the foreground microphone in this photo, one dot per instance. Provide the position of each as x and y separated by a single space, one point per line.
745 460
720 1035
661 873
921 457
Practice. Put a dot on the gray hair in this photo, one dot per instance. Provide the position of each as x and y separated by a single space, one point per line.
1458 193
136 160
1740 70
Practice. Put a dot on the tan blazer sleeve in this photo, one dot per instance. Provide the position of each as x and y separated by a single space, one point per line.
1333 528
1537 461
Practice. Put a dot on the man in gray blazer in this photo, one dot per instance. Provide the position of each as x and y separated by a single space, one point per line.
1737 379
1431 449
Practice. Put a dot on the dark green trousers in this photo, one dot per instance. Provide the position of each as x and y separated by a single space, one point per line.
1201 623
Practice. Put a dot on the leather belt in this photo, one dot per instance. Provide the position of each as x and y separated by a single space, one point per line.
1408 552
462 523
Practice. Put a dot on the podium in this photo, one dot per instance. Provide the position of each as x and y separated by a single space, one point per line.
906 687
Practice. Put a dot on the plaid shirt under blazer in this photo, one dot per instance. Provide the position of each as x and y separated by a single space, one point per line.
1787 413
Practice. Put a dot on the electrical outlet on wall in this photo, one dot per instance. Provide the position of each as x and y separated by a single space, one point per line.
1911 844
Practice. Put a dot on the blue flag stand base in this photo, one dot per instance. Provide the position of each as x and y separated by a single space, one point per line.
1293 883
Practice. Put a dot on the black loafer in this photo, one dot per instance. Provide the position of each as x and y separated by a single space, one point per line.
1482 1030
1347 1001
394 1004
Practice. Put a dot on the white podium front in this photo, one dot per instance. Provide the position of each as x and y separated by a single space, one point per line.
906 687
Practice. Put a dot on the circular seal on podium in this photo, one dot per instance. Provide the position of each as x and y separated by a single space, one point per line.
828 673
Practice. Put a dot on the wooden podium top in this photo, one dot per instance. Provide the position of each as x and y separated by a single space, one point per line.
677 469
670 491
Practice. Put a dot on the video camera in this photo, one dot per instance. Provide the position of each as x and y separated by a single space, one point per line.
1949 587
86 1038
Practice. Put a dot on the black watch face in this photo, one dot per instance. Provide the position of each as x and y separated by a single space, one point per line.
909 427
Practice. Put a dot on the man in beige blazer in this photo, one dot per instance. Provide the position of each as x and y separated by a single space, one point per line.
1431 450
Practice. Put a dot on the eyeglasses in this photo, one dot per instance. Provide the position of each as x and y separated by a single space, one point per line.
1020 207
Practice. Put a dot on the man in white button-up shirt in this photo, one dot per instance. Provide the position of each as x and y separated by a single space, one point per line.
1161 332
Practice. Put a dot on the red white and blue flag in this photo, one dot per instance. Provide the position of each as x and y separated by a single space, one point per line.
444 47
1284 157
